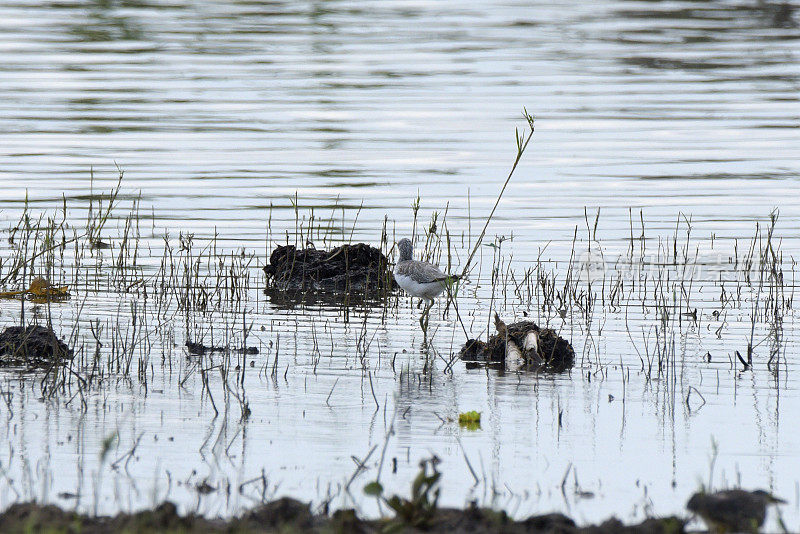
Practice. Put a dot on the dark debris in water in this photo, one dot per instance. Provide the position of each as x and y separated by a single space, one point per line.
199 349
352 269
32 347
289 515
522 345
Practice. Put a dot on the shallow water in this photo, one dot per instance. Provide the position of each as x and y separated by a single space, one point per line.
223 115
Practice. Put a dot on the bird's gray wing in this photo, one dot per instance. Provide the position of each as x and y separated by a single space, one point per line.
421 272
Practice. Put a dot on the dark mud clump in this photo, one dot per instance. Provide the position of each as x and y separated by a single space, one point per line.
32 347
289 515
353 269
522 345
30 517
282 513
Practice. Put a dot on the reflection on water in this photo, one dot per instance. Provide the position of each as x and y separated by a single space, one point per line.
233 119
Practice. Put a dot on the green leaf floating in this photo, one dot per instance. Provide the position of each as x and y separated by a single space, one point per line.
373 488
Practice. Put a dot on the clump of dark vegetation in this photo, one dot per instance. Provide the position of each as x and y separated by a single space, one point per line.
32 347
532 348
358 268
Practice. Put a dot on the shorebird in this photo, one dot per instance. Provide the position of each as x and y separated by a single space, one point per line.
733 510
419 278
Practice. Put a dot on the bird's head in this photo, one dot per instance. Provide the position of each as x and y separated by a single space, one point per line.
406 249
768 497
500 326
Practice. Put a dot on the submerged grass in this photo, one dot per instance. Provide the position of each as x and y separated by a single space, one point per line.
203 293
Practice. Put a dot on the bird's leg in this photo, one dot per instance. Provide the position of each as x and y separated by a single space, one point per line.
423 319
428 315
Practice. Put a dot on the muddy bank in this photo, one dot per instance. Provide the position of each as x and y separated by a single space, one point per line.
33 347
353 269
288 515
521 345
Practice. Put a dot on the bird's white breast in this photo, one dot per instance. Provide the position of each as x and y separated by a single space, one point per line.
427 290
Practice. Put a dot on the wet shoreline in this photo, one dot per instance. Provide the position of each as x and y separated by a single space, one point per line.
289 515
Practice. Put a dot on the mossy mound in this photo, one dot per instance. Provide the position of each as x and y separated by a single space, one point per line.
32 347
358 269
